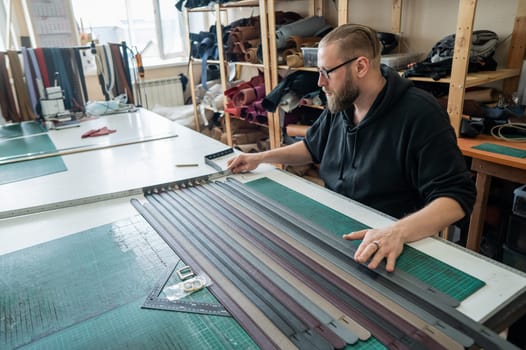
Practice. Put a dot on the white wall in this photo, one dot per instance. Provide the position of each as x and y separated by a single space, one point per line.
424 22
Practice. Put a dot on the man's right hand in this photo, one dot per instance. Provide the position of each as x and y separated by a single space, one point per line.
244 162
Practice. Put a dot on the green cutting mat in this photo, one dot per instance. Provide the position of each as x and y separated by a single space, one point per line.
84 291
20 129
508 151
37 144
443 277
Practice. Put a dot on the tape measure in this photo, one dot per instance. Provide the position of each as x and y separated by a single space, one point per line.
154 301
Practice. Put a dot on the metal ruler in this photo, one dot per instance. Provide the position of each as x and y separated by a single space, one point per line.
210 159
111 195
154 301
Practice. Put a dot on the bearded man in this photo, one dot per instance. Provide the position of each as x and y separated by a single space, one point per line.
382 142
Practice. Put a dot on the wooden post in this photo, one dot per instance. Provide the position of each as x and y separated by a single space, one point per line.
343 12
459 70
517 48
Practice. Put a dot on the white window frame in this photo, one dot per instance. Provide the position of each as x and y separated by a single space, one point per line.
161 36
9 29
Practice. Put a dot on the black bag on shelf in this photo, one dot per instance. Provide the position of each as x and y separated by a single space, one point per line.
438 62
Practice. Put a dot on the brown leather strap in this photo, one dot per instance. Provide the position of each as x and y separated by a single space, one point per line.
7 99
24 103
120 76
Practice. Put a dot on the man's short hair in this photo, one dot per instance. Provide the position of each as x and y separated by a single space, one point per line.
355 40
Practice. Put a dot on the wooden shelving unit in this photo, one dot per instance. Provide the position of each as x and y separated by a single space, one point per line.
458 81
218 10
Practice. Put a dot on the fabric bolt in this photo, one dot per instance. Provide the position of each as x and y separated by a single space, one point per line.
30 80
80 74
50 63
7 98
74 76
126 66
36 67
39 53
63 78
24 102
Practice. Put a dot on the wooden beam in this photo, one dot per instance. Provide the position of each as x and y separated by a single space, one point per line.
343 12
396 17
459 70
517 47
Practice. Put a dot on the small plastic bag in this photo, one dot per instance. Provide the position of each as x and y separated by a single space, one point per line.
187 287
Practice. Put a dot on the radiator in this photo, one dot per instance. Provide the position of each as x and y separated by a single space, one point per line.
161 92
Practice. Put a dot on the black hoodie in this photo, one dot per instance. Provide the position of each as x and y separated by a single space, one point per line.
399 158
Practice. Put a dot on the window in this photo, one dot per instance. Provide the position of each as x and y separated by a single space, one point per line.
3 20
153 28
8 31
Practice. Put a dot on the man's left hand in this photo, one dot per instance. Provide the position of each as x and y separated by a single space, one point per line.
376 245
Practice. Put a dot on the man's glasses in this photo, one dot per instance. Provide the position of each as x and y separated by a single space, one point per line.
325 72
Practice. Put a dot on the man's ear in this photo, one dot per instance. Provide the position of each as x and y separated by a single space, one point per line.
362 66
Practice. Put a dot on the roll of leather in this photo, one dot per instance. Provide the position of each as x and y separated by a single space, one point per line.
295 60
251 55
482 95
245 97
260 91
244 33
294 130
298 42
289 52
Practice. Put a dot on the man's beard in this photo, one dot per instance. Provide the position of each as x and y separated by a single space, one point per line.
345 100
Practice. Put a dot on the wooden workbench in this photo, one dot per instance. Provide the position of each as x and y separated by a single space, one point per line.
488 165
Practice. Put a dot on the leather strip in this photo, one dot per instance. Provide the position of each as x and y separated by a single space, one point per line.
266 296
241 201
39 52
7 99
222 289
123 86
236 239
449 316
30 80
385 326
24 102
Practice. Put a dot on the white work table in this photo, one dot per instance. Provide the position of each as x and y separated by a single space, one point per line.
109 169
